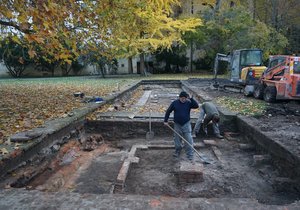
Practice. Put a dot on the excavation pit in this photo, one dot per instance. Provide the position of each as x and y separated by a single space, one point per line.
124 162
148 168
159 173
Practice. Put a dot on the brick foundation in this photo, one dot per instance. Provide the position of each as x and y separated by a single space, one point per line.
190 173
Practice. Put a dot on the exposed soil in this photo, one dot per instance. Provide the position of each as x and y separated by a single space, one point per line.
94 166
87 166
281 119
235 177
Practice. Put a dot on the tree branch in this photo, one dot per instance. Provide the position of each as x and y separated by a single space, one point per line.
14 25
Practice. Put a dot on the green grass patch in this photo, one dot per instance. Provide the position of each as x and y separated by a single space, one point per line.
247 107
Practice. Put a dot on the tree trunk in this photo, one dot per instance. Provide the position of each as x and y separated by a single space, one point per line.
142 64
254 9
66 68
191 56
10 70
275 14
168 67
19 70
52 71
102 70
130 66
177 68
13 70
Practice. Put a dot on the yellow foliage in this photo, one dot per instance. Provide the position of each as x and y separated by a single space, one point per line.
153 28
118 28
16 39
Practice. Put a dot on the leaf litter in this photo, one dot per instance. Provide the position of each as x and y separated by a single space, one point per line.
27 103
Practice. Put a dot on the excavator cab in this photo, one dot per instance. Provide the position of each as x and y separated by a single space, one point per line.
244 62
245 67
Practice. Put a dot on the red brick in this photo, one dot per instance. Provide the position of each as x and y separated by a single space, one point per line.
190 173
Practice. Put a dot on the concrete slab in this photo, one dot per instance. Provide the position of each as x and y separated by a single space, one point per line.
125 168
210 142
217 153
247 147
123 172
25 136
142 101
134 149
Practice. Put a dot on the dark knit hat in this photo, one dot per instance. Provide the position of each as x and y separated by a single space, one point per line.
184 94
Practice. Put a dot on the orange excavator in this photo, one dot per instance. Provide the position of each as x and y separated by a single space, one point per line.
281 79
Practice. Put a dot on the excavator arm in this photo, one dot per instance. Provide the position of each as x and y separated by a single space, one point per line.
220 57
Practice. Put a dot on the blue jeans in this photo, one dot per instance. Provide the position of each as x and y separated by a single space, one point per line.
200 121
186 132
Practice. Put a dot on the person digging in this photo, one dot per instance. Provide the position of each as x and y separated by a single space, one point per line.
208 113
182 125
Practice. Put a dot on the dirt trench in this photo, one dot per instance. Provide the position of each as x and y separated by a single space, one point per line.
239 169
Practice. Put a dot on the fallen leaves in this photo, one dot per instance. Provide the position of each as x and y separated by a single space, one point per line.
128 105
3 151
28 103
121 105
248 107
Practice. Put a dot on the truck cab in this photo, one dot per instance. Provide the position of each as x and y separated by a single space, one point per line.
281 80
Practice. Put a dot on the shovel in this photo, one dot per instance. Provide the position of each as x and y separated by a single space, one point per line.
150 133
203 159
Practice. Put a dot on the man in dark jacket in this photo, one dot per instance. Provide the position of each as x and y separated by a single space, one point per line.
182 125
208 112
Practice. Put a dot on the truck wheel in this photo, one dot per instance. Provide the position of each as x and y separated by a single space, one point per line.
246 93
259 91
270 94
248 90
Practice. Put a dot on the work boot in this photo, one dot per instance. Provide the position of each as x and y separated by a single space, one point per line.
191 160
219 136
176 154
